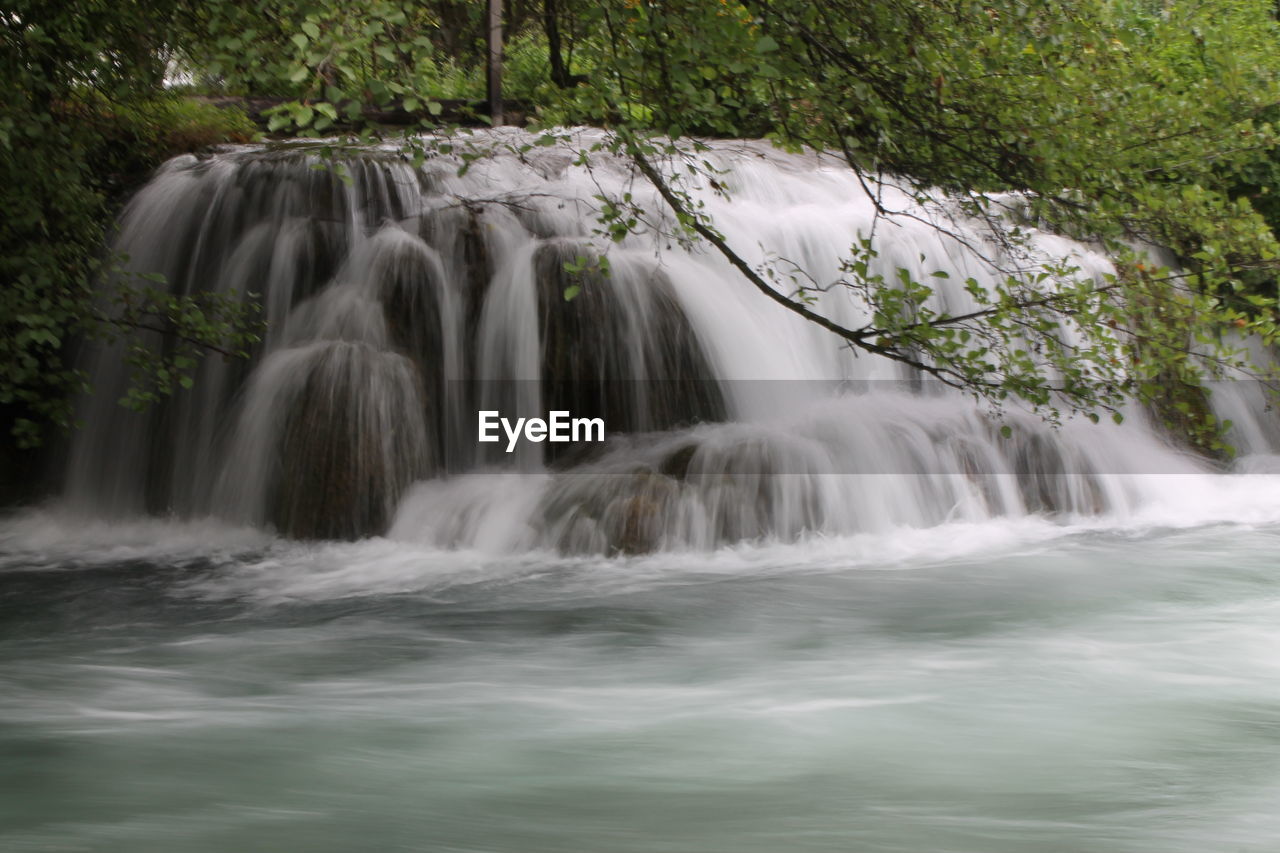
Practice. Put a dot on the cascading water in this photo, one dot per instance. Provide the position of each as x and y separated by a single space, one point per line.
798 600
401 301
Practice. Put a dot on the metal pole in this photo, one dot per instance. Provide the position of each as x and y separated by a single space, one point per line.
495 62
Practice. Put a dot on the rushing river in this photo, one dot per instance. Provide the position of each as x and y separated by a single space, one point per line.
1014 685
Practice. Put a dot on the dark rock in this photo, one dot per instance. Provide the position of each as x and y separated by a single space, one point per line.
352 442
621 349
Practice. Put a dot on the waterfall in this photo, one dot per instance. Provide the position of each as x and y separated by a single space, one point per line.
401 300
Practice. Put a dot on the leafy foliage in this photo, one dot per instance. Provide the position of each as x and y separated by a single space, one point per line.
82 118
1109 121
1127 123
331 57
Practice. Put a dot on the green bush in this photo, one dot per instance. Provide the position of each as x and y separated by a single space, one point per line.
170 125
84 117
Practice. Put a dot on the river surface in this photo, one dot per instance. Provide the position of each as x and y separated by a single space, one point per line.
1011 685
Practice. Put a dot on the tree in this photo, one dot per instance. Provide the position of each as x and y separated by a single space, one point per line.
1109 121
1116 121
80 116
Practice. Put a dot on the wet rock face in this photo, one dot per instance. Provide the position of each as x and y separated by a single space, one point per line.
717 490
1054 480
457 232
408 281
621 348
634 523
619 512
353 440
331 485
409 284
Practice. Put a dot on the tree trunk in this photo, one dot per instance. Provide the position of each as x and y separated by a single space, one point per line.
495 61
551 25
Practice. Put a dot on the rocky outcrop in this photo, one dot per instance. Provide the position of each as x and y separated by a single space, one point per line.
352 440
621 348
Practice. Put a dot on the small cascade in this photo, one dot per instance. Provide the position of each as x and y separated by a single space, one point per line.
844 465
401 301
1247 403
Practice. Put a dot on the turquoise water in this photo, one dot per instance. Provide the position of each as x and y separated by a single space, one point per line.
1020 685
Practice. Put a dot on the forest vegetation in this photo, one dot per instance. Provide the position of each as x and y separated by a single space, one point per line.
1124 122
